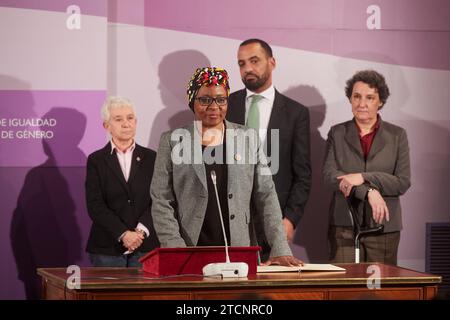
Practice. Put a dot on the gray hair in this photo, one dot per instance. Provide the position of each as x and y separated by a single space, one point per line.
113 102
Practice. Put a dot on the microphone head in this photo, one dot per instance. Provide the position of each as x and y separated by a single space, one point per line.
213 176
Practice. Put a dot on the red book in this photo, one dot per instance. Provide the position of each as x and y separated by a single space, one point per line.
191 260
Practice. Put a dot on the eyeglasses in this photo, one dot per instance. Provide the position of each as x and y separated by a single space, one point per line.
207 101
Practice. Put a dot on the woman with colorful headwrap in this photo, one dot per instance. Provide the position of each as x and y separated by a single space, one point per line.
185 210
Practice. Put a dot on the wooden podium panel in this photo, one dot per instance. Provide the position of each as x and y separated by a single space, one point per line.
133 283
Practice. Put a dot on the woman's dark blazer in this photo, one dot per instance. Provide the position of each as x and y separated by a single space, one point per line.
386 169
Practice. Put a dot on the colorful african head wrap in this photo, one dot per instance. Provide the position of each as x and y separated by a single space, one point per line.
209 76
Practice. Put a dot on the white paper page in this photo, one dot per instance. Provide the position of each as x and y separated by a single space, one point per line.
305 267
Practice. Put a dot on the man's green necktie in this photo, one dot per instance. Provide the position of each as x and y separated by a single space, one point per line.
253 112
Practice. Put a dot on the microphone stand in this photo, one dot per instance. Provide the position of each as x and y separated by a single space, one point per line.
214 181
225 269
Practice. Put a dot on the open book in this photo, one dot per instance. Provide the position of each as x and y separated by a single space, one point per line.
305 267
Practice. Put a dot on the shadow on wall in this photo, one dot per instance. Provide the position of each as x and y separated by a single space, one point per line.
175 71
44 230
17 103
313 228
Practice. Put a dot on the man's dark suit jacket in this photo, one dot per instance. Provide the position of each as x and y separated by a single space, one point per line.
116 205
293 179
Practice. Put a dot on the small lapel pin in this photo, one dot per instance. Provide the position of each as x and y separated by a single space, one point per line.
237 157
138 159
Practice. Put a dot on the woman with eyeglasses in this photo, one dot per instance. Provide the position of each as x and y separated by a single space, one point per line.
213 154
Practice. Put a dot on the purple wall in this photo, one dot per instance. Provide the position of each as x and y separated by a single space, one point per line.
42 183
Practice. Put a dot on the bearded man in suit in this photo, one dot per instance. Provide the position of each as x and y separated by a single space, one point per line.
262 107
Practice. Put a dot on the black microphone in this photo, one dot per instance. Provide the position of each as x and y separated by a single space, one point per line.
225 269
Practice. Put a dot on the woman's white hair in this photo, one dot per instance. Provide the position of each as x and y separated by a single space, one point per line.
113 102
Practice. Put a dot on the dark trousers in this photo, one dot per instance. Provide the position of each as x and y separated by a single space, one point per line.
378 248
124 261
